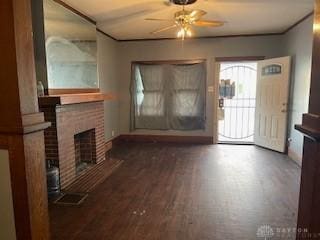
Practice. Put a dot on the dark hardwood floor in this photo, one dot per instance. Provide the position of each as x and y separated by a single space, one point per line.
182 192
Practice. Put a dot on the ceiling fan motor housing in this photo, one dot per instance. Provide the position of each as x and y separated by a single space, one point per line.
183 2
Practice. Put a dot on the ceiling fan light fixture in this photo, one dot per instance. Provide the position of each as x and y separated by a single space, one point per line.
185 19
184 32
189 33
181 33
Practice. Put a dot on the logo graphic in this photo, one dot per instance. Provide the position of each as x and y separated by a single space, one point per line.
265 232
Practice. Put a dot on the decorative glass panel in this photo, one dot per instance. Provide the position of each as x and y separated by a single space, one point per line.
272 70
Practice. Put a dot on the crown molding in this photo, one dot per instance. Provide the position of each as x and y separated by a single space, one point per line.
81 14
298 22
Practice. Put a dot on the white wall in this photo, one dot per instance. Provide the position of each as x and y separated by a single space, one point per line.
108 80
298 44
115 59
269 46
7 224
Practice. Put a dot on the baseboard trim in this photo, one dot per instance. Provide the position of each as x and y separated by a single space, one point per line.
164 139
294 156
108 146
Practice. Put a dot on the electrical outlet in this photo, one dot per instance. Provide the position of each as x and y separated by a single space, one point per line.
112 133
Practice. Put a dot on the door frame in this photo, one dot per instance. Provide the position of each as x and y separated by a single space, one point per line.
218 61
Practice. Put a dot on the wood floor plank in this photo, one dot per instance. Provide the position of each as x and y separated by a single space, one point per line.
182 192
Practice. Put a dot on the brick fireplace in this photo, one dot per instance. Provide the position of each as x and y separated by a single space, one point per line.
75 140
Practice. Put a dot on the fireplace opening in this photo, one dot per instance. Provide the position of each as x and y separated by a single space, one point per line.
85 150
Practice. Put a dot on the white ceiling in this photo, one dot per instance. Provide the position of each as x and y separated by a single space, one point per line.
124 19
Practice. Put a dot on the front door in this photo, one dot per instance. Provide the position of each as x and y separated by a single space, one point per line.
272 103
237 97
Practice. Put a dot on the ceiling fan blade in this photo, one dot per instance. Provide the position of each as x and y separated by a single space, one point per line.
164 29
158 19
197 14
202 23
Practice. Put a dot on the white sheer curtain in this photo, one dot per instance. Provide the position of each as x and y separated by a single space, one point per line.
148 96
188 84
168 97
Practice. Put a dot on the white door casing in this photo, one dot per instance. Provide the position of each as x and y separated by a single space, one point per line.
271 114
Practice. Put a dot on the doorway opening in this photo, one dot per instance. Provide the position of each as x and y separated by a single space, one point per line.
237 102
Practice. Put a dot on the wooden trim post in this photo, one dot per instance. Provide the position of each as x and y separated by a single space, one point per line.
309 202
21 123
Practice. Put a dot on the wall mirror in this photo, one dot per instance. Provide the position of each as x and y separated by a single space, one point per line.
71 48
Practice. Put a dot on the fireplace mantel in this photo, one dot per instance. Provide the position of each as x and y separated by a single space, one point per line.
67 99
310 126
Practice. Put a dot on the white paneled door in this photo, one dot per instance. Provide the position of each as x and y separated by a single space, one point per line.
272 103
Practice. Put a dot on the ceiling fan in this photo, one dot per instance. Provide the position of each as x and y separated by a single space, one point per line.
185 19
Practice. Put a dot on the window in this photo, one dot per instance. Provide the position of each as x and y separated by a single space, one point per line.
168 96
271 70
